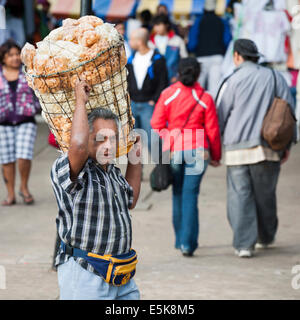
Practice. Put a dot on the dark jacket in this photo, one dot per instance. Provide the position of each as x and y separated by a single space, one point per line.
155 81
210 35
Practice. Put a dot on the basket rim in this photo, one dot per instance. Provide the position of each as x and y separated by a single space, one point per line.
72 69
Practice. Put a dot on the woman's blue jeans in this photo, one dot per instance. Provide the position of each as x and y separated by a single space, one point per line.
188 168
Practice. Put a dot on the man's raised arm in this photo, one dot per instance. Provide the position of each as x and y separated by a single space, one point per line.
134 170
78 150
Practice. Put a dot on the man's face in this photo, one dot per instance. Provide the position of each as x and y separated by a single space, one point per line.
160 29
162 10
133 41
103 141
237 59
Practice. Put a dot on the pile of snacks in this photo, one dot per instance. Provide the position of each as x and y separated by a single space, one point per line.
85 49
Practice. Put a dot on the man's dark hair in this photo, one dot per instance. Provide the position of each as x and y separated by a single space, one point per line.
247 49
189 70
146 16
6 47
247 58
162 18
102 113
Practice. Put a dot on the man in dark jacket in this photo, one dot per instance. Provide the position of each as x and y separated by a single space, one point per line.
208 40
147 77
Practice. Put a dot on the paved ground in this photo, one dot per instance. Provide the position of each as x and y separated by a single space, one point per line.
27 236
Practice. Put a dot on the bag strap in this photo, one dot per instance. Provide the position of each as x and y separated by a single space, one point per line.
222 84
275 82
219 91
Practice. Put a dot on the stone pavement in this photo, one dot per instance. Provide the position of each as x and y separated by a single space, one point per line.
27 235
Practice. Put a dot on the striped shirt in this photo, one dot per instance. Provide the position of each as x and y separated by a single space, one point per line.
250 156
93 210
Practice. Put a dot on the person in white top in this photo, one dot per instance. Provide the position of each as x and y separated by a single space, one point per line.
147 77
141 63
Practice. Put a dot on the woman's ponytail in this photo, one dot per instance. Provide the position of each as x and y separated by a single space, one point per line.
189 71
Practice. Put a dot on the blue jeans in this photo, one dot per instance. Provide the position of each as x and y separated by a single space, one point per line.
251 203
142 112
187 177
76 283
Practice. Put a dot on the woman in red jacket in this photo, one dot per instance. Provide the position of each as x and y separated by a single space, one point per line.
185 117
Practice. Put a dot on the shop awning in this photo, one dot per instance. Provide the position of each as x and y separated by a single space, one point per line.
121 9
115 9
105 9
175 7
65 8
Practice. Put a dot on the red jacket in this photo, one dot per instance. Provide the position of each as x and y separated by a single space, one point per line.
171 111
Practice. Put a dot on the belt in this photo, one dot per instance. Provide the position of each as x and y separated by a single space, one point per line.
116 270
74 252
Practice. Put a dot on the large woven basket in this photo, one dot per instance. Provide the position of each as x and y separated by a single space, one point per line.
106 74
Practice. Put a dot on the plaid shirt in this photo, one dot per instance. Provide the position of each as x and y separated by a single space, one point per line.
27 103
93 211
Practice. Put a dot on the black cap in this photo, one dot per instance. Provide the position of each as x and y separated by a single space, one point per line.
246 47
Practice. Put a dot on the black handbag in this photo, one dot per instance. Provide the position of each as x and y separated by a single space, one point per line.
161 176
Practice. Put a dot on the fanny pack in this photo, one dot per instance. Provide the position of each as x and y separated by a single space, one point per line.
116 270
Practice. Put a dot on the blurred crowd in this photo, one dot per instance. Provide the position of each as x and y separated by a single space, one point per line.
271 24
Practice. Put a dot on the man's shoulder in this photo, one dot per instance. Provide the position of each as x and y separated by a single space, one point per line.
157 57
60 161
60 165
248 72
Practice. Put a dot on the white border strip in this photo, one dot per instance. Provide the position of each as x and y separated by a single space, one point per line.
174 96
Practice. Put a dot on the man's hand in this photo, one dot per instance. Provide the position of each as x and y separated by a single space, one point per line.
152 103
285 157
82 92
215 163
134 155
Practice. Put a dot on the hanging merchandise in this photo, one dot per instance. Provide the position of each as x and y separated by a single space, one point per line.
267 28
293 8
3 34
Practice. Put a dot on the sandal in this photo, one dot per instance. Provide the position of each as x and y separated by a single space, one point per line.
7 203
27 199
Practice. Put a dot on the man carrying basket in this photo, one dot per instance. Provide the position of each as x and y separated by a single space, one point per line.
95 260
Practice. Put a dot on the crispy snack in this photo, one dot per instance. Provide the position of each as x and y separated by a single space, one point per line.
27 55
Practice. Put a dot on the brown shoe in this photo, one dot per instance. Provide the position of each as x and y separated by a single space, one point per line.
7 203
27 199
